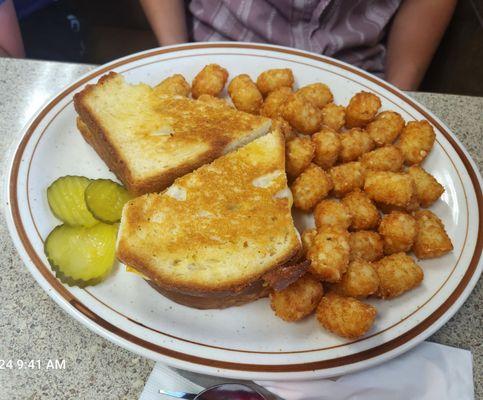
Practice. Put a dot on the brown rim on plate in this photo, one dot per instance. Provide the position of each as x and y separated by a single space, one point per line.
382 95
318 365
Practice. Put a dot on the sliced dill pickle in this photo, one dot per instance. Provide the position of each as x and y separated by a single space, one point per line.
105 200
66 200
82 256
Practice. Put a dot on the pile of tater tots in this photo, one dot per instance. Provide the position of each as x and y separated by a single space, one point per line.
358 170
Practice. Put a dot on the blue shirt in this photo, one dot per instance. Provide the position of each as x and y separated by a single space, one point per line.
26 7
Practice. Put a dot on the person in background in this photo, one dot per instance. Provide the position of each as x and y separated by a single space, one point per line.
394 39
11 44
41 29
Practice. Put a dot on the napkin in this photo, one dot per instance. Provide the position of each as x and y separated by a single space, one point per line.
429 371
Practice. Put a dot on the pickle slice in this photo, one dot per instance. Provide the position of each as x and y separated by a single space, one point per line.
66 200
105 200
81 256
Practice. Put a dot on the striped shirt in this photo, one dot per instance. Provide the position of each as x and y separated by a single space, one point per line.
349 30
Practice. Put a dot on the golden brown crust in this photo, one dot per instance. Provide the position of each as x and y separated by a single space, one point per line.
297 300
345 316
215 144
235 296
207 252
230 299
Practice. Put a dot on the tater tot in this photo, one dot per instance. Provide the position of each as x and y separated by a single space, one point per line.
397 273
431 240
385 128
210 80
332 212
215 101
416 141
308 238
360 280
272 106
398 231
345 316
245 94
387 158
362 109
329 254
284 127
299 154
333 116
354 143
347 177
297 300
310 187
366 246
318 94
327 147
390 188
428 189
273 79
302 115
362 210
174 85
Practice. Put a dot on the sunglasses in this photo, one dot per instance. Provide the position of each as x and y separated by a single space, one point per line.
226 391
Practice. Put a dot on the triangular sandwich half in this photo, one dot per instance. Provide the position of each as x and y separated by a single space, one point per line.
209 239
148 141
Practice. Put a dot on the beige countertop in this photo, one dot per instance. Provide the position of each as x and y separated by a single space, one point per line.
33 327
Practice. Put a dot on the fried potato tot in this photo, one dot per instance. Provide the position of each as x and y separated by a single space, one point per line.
345 316
398 231
333 116
210 80
274 79
390 188
245 94
284 127
347 177
366 246
431 240
329 254
272 106
302 115
310 187
354 143
428 189
299 154
308 238
215 101
362 109
416 141
362 210
385 129
174 85
297 300
397 273
318 94
327 147
360 280
332 212
387 158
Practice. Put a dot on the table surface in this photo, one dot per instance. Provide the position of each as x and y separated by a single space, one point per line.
33 327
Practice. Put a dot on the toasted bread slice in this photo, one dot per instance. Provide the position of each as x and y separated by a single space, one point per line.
208 239
148 141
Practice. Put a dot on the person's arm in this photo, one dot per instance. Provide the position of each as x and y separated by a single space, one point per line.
11 44
167 19
413 39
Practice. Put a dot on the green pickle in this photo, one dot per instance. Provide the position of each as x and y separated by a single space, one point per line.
66 200
82 256
105 200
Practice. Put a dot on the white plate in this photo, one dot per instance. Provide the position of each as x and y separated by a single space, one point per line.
248 341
